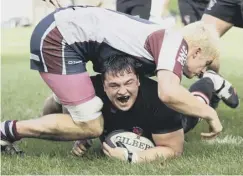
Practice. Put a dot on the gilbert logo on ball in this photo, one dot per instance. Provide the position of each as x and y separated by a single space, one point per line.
132 141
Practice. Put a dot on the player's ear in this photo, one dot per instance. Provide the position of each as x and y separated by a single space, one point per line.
138 80
197 52
104 88
103 81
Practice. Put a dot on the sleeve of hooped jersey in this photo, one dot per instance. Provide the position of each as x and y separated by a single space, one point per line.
173 53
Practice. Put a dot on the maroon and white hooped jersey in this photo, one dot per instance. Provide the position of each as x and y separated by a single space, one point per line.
139 38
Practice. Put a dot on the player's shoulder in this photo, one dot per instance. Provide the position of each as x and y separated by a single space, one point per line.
98 85
149 93
174 34
146 82
96 79
148 89
156 109
163 38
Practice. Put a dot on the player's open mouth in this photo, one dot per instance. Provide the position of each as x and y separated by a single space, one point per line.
123 99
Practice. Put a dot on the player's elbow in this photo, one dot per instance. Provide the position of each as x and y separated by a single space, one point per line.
168 85
173 152
166 96
178 152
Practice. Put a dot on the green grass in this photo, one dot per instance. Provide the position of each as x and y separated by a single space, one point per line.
23 93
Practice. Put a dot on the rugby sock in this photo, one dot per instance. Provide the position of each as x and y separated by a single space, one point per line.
204 88
223 89
8 128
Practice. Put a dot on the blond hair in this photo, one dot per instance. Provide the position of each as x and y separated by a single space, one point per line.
205 36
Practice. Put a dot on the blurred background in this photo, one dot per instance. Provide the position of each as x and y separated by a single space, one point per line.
23 13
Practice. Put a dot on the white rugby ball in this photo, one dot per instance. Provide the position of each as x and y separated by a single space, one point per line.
130 140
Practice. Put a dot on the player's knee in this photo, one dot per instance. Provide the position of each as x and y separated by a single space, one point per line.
91 129
178 153
95 127
203 89
88 116
51 106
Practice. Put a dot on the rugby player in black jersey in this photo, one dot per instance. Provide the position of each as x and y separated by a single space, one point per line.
131 104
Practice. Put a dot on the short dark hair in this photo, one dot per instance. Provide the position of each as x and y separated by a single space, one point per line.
119 64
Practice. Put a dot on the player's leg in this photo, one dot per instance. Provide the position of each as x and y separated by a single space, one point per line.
224 14
85 120
188 11
123 6
51 106
75 91
141 8
221 25
159 13
211 89
223 89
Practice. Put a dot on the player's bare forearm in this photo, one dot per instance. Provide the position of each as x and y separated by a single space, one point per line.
184 102
180 99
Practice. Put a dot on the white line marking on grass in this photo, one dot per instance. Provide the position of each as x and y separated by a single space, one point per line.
228 139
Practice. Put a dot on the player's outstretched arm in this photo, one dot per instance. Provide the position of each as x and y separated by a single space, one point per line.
167 145
178 98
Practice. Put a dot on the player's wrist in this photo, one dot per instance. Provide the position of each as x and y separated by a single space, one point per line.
126 153
213 115
209 114
131 157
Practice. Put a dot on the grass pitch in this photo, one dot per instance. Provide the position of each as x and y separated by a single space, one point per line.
23 93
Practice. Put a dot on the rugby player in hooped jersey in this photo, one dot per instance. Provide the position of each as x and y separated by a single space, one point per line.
65 40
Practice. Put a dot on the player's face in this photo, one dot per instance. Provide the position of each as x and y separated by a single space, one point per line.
122 89
196 64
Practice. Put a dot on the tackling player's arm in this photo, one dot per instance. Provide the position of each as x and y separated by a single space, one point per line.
179 98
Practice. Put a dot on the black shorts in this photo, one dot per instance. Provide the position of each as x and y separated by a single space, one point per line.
188 122
139 8
192 10
230 11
